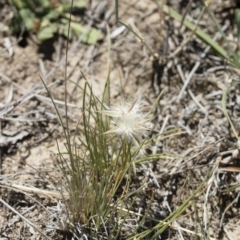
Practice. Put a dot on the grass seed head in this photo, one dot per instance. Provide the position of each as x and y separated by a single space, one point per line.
128 119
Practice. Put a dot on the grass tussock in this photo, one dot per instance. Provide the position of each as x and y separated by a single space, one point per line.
97 160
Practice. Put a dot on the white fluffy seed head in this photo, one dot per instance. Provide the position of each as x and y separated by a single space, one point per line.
128 120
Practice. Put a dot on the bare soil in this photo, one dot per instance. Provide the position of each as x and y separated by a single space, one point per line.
163 64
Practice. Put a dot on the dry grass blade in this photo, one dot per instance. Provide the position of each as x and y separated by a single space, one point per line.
40 192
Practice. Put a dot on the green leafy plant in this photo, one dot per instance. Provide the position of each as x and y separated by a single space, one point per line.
48 18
